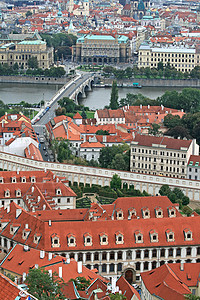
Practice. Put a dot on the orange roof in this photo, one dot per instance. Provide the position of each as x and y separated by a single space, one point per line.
92 145
77 116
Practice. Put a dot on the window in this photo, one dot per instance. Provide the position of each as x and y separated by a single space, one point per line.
170 236
104 268
138 254
154 253
171 252
119 267
162 253
188 251
112 267
188 235
146 265
80 256
119 255
71 240
146 253
103 239
129 254
112 255
88 256
178 252
137 266
104 256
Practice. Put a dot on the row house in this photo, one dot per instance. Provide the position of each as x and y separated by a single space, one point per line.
193 167
126 246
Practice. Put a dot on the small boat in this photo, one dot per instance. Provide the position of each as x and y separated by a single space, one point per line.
137 85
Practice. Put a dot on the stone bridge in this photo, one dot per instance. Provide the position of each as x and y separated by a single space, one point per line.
90 175
81 89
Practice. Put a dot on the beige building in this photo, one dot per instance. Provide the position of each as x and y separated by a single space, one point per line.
182 58
161 155
20 52
102 49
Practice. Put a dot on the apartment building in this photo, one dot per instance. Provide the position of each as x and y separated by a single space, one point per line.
183 58
193 168
163 156
102 49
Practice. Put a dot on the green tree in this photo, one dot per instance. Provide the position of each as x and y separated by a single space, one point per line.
43 286
15 66
107 157
160 66
154 130
178 131
115 182
81 283
102 132
33 62
28 13
118 162
69 105
164 190
83 114
114 96
171 121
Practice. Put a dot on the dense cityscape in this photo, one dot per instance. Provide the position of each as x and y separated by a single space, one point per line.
99 149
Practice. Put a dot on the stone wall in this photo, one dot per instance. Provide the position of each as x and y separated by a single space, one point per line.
35 79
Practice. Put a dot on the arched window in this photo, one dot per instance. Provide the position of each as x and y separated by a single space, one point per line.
119 255
96 256
104 270
104 256
171 252
146 253
80 256
129 254
178 252
138 254
188 251
96 267
162 253
88 256
112 255
88 266
162 262
154 253
137 266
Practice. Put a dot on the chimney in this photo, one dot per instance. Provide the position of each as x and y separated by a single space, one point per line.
50 255
18 212
3 123
84 138
8 209
24 276
44 207
26 248
38 198
182 266
42 254
36 266
148 106
32 189
140 106
50 273
68 261
49 222
18 172
113 283
128 106
26 226
60 272
80 267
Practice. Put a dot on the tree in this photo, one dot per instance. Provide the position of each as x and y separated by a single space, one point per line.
28 13
15 66
114 96
118 162
115 182
69 105
33 62
102 132
178 131
155 129
83 114
81 283
43 286
171 121
164 190
160 66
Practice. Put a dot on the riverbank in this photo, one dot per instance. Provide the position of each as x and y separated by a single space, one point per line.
144 82
34 80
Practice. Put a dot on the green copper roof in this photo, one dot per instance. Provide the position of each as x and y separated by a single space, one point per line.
147 18
34 42
122 39
7 45
141 5
100 37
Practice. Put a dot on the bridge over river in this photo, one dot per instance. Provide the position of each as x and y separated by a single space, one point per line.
72 89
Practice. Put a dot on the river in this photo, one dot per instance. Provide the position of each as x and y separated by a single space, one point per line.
98 98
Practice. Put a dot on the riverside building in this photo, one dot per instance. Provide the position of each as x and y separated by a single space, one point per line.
182 58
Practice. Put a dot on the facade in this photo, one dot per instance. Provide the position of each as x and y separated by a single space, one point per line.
101 49
161 155
171 281
20 52
128 237
193 167
184 59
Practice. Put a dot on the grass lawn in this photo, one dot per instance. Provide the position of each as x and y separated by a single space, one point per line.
90 114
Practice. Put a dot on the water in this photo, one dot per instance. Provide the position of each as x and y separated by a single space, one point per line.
31 93
100 97
97 99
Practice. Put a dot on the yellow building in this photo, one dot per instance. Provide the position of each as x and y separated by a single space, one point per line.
182 58
20 52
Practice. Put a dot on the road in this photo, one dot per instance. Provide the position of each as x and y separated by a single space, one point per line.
66 91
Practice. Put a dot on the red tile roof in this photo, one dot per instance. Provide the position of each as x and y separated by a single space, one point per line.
171 143
77 116
194 161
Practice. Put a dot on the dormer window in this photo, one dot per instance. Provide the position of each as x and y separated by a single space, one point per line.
1 180
87 239
71 240
55 241
36 238
145 213
131 212
33 179
171 212
119 238
170 235
138 237
58 192
25 234
18 193
187 235
7 193
13 179
159 212
153 236
120 215
23 179
103 239
13 228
